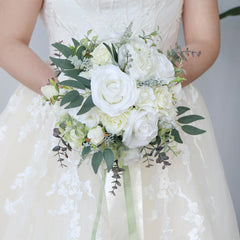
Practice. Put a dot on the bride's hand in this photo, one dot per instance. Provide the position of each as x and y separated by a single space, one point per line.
17 21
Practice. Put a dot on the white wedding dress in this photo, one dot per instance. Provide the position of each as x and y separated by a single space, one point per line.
189 200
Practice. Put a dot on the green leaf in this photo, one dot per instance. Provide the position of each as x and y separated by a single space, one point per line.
73 73
108 48
96 160
76 103
72 83
109 158
86 82
176 135
87 105
231 12
115 53
189 119
182 110
66 51
75 42
86 150
89 32
62 63
80 51
70 97
192 130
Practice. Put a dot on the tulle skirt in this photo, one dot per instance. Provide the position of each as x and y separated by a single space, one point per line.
188 200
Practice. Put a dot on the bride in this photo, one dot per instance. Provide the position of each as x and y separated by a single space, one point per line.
189 200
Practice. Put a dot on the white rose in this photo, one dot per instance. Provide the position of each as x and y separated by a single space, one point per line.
49 91
101 56
141 129
90 118
114 125
163 98
146 97
96 135
113 91
140 66
164 69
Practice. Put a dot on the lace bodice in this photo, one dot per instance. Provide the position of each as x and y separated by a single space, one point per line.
65 19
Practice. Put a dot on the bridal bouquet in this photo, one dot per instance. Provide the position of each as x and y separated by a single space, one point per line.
118 102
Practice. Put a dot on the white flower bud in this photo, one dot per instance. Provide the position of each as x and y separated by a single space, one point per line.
96 135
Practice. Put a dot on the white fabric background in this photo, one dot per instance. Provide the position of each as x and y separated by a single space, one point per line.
219 86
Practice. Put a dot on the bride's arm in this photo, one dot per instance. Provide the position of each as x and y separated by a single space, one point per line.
17 21
201 31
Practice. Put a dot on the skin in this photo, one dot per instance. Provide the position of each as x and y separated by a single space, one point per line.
18 19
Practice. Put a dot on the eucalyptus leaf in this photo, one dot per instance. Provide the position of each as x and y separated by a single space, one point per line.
108 48
72 83
231 12
76 103
192 130
75 42
115 54
87 105
109 158
66 51
70 97
189 119
176 135
73 73
96 160
86 82
86 150
62 63
182 110
80 51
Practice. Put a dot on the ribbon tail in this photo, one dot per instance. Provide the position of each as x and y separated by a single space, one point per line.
131 218
99 207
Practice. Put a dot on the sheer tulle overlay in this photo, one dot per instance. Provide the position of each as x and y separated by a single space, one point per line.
189 200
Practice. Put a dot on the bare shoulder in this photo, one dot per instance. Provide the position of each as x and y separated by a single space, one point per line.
18 18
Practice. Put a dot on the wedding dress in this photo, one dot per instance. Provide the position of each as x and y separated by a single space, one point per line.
189 200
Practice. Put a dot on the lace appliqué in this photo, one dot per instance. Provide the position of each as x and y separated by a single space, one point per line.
163 188
21 179
71 189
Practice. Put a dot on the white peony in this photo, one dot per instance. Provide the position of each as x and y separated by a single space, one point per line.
163 67
141 129
140 66
146 97
113 91
96 135
114 125
163 98
49 91
101 56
